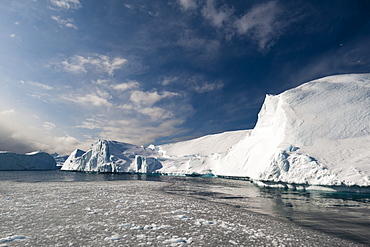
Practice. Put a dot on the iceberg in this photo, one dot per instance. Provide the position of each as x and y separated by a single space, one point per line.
315 134
25 162
113 156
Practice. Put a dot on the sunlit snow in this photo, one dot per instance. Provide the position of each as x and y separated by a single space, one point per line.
315 134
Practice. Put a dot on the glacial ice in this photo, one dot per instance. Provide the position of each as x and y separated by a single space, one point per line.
113 156
314 134
31 161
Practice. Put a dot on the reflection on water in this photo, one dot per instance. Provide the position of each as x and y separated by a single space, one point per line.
64 176
346 215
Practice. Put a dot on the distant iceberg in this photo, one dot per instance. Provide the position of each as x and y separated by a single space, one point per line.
315 134
30 161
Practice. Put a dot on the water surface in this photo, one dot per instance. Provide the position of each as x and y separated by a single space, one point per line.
343 215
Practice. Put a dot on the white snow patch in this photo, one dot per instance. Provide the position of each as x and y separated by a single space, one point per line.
113 238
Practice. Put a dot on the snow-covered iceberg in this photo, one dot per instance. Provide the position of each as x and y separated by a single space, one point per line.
113 156
315 134
31 161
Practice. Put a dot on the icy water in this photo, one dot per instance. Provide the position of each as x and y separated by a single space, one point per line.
56 208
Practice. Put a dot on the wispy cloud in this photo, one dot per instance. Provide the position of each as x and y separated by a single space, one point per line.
188 4
262 24
64 22
156 113
208 87
150 98
103 63
93 99
217 16
126 86
66 4
168 80
138 133
204 47
197 84
37 84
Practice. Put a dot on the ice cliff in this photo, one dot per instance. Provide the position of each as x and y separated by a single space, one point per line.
31 161
317 133
112 156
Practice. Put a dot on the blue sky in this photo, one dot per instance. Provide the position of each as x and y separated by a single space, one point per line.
74 71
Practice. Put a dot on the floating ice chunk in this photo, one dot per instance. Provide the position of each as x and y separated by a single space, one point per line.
136 228
142 236
126 225
200 222
233 242
113 238
183 217
11 238
175 240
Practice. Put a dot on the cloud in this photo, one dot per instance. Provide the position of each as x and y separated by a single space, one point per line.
91 124
132 129
261 24
100 81
22 133
199 84
187 4
103 63
126 86
150 98
48 125
139 133
67 4
168 80
205 47
216 16
156 113
93 99
6 112
64 22
208 87
37 84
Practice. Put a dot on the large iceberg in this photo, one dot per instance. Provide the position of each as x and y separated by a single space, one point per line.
31 161
113 156
315 134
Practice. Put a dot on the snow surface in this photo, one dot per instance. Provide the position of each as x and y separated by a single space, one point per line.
315 134
31 161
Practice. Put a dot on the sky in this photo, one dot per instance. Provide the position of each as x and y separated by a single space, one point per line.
154 72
